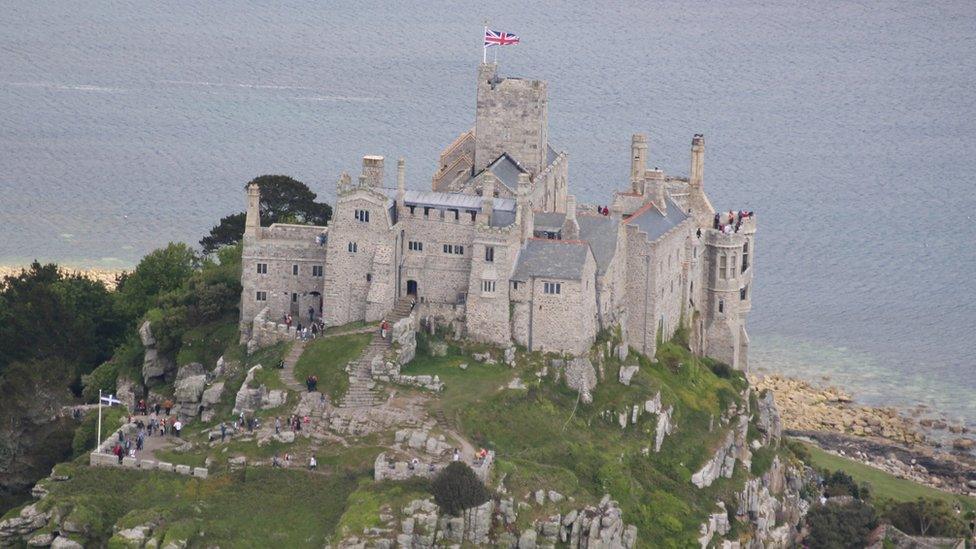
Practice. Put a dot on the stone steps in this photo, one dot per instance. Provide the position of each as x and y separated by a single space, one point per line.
287 373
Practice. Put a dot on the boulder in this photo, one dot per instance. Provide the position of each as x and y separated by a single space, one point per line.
581 376
146 335
510 356
286 437
212 394
963 444
62 542
274 399
626 373
190 370
155 366
189 389
438 348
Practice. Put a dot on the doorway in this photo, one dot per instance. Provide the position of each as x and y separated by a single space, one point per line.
412 288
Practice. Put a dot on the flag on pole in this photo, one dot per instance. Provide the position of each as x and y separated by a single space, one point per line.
110 400
498 38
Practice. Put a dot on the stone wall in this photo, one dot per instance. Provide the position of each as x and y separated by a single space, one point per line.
511 116
265 332
564 322
103 457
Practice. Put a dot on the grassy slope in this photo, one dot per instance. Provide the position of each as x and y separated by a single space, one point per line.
327 358
541 442
883 485
263 508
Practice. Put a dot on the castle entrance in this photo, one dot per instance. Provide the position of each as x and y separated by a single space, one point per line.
412 288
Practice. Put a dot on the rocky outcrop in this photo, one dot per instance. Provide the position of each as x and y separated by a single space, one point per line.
767 420
722 462
404 340
249 398
580 376
155 367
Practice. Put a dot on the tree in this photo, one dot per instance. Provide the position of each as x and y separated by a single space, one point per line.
840 483
836 526
457 488
164 270
925 517
283 200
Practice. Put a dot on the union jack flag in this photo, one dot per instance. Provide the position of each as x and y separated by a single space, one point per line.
497 38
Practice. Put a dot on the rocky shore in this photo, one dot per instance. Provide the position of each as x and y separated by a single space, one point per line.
882 437
106 276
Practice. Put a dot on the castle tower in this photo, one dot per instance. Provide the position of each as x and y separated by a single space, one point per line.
571 228
727 277
511 117
401 185
656 183
638 162
252 219
373 170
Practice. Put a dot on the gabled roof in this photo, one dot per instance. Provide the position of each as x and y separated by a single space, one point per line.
449 200
559 259
651 221
599 231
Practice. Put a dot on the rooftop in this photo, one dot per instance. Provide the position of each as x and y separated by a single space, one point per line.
559 259
650 220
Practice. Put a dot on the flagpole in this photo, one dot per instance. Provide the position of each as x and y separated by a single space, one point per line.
98 439
484 47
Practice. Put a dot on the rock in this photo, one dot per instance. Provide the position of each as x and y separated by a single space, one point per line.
146 335
626 373
463 366
62 542
249 399
581 376
274 399
133 536
41 540
555 496
540 497
964 444
212 394
664 427
516 384
438 348
190 370
238 462
155 366
510 356
527 539
189 389
286 437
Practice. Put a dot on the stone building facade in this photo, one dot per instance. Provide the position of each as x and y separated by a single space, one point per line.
500 242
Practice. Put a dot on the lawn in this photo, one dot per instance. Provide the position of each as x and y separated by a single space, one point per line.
204 344
261 507
883 485
327 359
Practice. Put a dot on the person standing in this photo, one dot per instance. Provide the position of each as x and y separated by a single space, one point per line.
177 426
312 464
277 425
223 431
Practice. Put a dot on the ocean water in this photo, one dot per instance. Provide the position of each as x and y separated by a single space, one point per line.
849 127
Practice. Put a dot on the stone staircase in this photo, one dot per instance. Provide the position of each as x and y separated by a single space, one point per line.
287 374
362 390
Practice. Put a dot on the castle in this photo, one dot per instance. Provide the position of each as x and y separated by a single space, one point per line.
499 247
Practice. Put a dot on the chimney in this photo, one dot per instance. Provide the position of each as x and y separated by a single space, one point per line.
571 228
252 219
655 178
487 198
524 205
373 170
697 161
344 182
401 184
638 162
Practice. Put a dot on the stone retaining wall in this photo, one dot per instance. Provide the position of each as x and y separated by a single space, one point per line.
103 457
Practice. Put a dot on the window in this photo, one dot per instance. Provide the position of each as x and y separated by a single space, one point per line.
426 211
490 254
745 256
369 277
722 266
455 213
316 270
261 296
362 215
473 214
447 248
415 246
552 287
672 286
744 293
411 207
294 298
262 268
353 248
459 250
455 249
488 286
735 262
515 285
294 270
721 305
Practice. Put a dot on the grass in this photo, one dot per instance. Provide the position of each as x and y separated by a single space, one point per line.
345 327
883 485
257 508
364 505
205 344
327 359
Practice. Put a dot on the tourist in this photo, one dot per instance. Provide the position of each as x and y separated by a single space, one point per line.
118 452
311 315
277 425
383 329
315 382
275 462
288 321
140 439
716 223
312 464
699 232
156 408
223 431
176 428
162 427
457 455
168 405
315 330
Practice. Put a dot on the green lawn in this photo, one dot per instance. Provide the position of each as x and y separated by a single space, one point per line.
327 359
205 344
260 508
883 485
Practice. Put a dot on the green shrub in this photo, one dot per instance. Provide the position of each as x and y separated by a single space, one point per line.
456 488
925 517
840 526
762 460
84 439
721 369
840 483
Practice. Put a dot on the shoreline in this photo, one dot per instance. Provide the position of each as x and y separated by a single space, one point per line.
105 276
886 438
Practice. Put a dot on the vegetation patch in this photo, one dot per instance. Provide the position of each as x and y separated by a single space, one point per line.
327 359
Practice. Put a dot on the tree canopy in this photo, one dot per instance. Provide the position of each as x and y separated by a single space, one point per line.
457 488
283 200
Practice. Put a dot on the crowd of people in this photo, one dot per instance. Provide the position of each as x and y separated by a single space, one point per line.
731 222
128 445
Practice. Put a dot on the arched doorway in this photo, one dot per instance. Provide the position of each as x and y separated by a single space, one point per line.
412 288
315 303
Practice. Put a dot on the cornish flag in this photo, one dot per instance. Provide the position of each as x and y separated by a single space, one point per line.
498 38
110 400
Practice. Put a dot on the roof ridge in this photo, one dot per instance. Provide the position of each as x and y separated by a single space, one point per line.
561 241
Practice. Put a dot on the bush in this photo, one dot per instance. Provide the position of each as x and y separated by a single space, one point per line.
84 439
840 483
925 517
456 488
841 526
721 369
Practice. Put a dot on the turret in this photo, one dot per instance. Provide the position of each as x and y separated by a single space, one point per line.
698 202
638 162
252 219
373 170
571 228
524 205
511 116
401 184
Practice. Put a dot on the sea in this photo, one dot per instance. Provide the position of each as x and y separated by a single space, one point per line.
849 127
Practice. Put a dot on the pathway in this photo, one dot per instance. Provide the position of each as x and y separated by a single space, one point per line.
361 390
287 373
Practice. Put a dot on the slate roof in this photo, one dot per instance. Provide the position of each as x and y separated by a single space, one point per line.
559 259
599 231
450 200
551 155
650 220
507 170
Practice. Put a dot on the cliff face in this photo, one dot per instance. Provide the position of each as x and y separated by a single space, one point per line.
33 438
